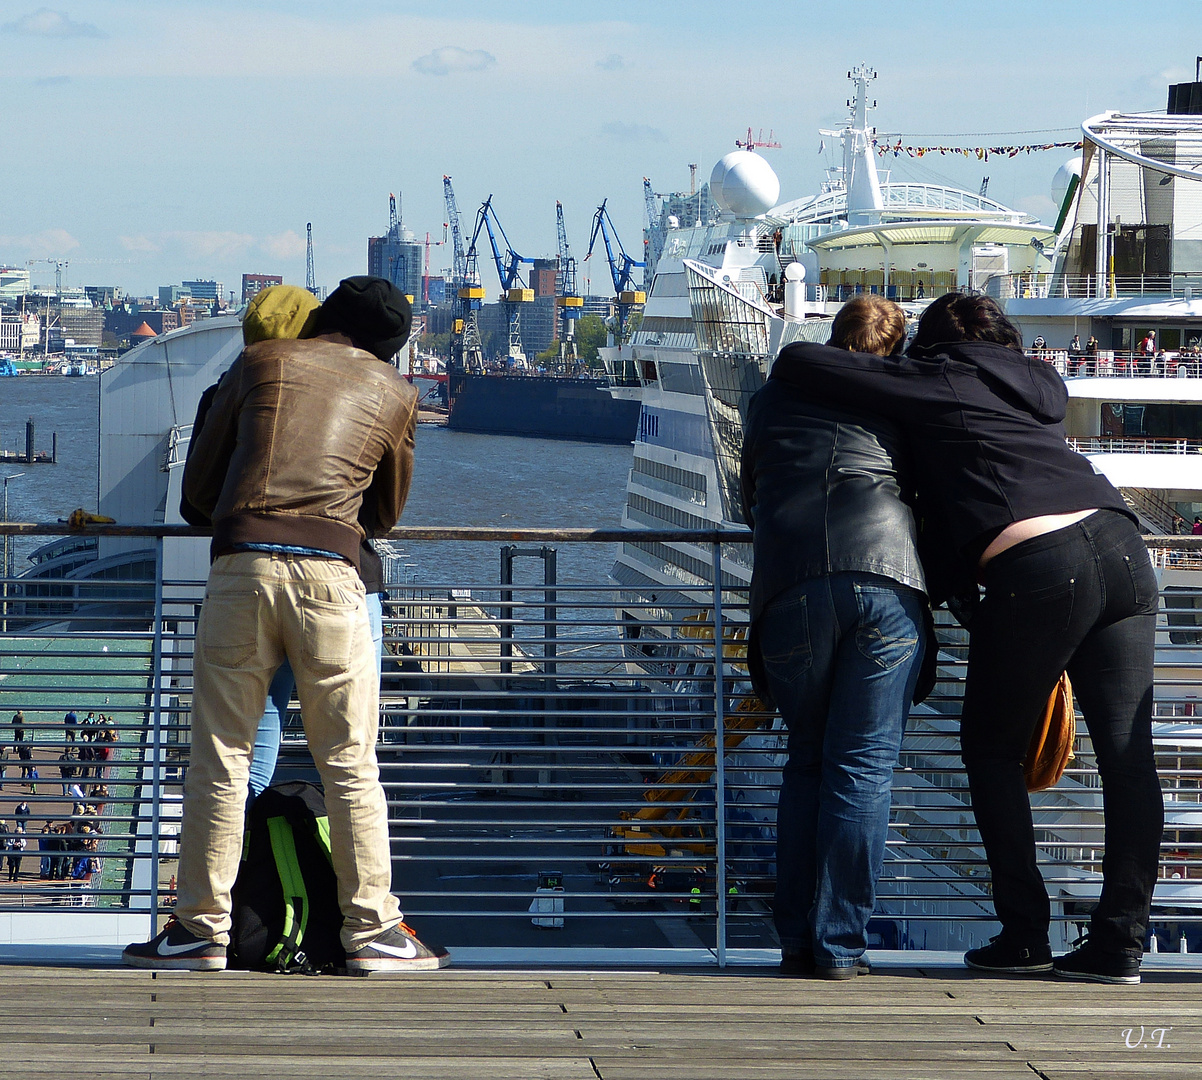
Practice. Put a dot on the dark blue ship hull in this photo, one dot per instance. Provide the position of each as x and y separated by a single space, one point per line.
545 406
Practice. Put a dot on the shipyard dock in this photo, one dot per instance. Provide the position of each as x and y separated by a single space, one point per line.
903 1023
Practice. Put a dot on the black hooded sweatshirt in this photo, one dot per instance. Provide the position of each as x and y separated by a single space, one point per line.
985 425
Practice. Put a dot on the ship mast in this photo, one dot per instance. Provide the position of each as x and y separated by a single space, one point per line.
860 180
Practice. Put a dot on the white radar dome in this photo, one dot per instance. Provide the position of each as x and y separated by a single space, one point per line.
744 184
1063 178
795 272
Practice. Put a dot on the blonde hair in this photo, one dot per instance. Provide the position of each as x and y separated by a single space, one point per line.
869 323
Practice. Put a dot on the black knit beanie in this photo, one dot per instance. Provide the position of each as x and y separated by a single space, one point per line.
372 312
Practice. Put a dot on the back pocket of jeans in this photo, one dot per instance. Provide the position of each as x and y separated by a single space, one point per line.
886 635
328 631
1046 607
784 635
229 629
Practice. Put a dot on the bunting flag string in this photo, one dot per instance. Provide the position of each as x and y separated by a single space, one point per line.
981 153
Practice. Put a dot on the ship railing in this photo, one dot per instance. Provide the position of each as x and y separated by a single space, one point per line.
1135 444
1048 285
547 750
1109 363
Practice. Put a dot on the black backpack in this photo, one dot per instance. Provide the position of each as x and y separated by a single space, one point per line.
285 900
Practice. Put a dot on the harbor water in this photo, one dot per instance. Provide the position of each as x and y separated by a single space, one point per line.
459 479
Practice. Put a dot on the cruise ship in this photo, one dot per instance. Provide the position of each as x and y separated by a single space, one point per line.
727 296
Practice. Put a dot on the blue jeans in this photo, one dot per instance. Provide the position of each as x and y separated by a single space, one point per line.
842 655
279 694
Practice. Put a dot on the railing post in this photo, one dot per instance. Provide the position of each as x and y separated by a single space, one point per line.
719 754
156 746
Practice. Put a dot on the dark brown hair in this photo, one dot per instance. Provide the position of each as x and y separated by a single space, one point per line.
956 317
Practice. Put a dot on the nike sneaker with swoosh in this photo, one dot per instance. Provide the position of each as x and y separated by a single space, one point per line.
397 949
176 949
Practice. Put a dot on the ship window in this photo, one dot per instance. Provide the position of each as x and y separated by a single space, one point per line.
681 379
1153 421
648 370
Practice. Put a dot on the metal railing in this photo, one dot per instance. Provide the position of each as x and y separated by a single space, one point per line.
1134 444
1088 286
1123 365
547 748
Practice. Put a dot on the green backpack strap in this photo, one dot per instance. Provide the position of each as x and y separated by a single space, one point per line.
296 898
323 838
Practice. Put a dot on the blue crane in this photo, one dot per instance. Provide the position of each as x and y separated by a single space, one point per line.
567 297
621 270
468 294
514 292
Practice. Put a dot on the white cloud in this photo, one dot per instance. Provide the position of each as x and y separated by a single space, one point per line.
285 245
49 243
211 244
141 244
452 59
52 24
613 62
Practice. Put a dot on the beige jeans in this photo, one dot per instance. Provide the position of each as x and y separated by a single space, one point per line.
259 608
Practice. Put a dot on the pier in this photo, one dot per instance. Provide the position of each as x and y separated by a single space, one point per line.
907 1021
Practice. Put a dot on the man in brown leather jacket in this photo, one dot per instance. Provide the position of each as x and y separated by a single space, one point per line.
304 443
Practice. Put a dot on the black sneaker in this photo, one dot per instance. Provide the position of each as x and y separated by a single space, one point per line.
848 971
1092 964
397 949
1004 956
796 963
176 949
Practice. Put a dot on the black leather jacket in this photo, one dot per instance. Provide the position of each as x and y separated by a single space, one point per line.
823 492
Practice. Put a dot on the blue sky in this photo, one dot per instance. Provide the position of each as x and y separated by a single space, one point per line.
150 142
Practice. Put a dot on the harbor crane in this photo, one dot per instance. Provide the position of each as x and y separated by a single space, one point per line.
567 296
467 354
621 270
310 277
655 234
514 292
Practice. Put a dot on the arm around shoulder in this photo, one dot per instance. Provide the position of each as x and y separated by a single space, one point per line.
887 386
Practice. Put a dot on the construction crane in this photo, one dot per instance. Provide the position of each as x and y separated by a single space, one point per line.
310 277
750 143
467 353
655 234
567 297
514 292
59 266
621 267
426 274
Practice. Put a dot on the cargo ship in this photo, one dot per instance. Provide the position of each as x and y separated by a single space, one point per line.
545 406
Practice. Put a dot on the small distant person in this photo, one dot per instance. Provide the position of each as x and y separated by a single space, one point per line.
1148 345
838 610
287 534
1197 527
922 292
16 849
1074 346
70 724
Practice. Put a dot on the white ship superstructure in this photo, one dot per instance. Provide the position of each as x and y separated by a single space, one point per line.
727 296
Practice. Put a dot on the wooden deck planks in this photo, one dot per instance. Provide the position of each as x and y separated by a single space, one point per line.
895 1025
